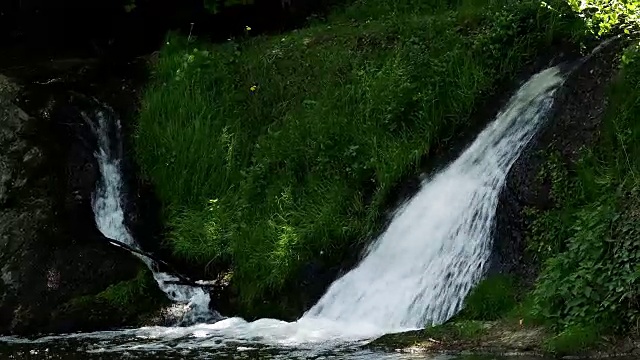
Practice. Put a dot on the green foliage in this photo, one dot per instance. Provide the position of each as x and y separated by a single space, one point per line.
556 221
603 16
215 6
131 292
525 311
125 302
592 274
494 297
459 330
573 340
301 137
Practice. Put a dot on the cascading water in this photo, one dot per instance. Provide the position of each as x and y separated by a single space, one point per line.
437 245
417 273
109 214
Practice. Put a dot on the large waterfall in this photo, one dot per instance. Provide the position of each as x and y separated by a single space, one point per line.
437 245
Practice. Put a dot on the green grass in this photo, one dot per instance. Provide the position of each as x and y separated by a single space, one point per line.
492 299
129 293
459 330
592 269
128 302
574 340
270 151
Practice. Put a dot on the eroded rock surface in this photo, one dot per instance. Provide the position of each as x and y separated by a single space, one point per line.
574 123
50 250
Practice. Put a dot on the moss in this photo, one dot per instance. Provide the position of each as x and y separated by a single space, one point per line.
124 303
574 340
465 336
130 292
491 299
461 329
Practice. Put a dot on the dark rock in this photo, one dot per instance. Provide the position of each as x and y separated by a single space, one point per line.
50 249
574 123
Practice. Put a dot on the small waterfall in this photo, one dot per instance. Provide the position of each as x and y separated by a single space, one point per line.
436 247
109 214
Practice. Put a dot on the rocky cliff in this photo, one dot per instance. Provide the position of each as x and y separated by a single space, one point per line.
53 257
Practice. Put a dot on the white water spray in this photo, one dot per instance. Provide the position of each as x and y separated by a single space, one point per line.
437 245
109 215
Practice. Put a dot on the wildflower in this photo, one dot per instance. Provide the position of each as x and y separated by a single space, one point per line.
253 88
248 28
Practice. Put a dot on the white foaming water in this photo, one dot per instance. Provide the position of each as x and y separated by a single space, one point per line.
417 273
437 245
109 215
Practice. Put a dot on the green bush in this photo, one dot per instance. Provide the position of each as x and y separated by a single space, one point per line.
603 16
270 151
131 293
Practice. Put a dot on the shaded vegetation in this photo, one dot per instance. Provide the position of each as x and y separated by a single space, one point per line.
134 292
491 299
270 152
574 339
589 240
128 302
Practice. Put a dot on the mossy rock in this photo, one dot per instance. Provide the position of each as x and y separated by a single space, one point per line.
125 303
491 299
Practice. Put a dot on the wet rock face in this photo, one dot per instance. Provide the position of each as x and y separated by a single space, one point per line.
574 123
50 249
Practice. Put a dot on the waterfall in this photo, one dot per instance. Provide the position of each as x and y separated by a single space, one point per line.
437 245
417 273
109 213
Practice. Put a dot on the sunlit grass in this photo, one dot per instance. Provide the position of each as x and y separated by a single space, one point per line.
299 138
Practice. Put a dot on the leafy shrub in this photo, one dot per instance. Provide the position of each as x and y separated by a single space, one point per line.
594 276
603 16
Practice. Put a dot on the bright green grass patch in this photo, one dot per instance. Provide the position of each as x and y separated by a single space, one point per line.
270 151
456 330
592 269
573 340
492 299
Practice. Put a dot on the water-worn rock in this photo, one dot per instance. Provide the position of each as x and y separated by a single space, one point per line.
573 124
50 250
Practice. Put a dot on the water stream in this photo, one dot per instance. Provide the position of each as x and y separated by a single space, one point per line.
417 273
110 215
